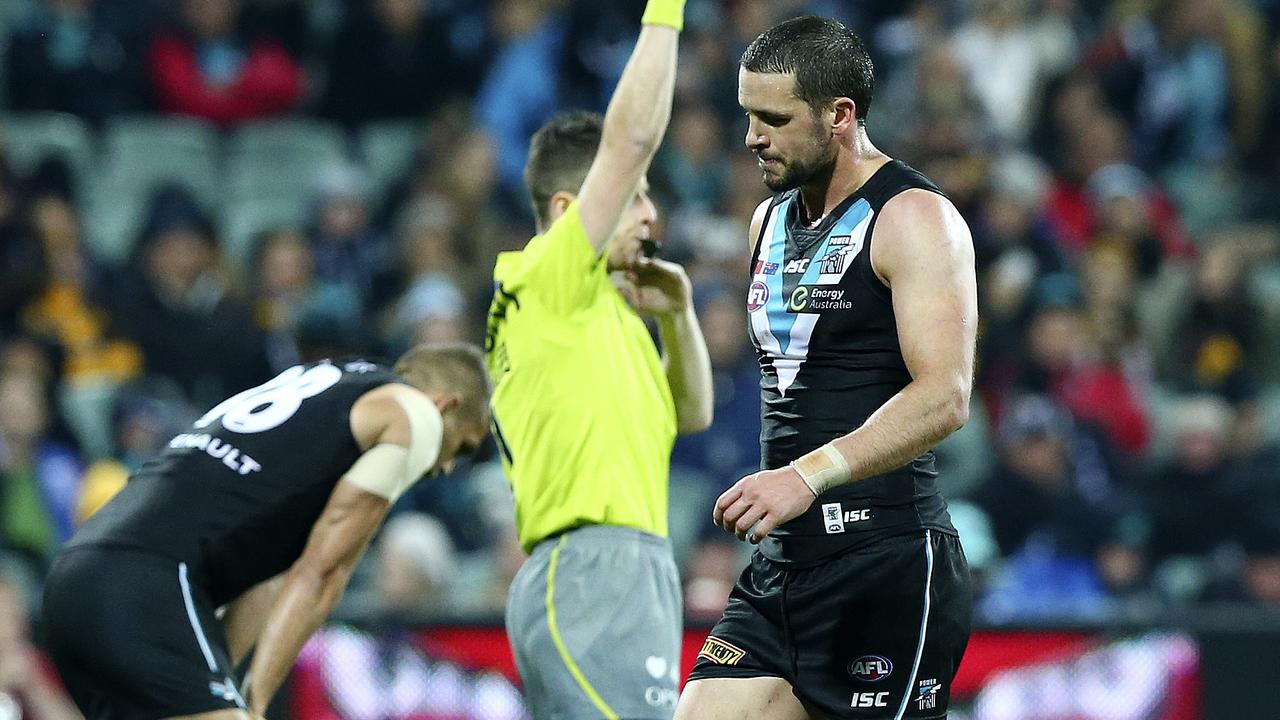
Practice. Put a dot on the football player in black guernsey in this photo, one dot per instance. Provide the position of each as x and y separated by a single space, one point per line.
244 531
863 311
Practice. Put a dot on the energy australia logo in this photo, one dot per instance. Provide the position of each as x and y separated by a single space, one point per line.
816 299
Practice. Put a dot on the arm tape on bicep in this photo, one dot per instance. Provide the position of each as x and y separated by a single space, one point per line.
381 470
388 470
426 433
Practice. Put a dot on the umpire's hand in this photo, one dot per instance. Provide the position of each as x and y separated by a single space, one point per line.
657 287
766 500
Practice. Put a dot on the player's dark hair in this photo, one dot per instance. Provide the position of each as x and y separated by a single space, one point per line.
829 61
560 154
450 367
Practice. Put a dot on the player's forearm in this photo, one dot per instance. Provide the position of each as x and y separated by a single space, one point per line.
306 601
688 370
911 422
640 109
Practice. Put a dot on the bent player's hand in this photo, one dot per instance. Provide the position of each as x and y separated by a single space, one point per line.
17 664
764 500
658 287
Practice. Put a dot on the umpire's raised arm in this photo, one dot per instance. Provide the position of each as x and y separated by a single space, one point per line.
634 123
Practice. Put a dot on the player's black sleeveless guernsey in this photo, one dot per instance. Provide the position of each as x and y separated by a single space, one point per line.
823 325
236 495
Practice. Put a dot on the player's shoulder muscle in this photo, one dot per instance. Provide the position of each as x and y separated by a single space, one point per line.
919 227
377 417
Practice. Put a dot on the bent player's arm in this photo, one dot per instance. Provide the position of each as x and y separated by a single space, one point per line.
924 252
634 124
245 616
42 697
312 587
316 581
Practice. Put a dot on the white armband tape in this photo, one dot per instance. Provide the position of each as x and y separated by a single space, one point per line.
426 433
823 469
388 470
381 470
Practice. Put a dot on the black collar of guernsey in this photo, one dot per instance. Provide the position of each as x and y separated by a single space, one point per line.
796 226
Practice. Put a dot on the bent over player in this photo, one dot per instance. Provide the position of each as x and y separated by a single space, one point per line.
862 307
292 477
586 411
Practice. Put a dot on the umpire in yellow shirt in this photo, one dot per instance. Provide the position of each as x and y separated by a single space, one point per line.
586 410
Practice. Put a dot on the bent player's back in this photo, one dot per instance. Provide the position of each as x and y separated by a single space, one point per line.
236 495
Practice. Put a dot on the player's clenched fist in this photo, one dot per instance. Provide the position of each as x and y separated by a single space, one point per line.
769 498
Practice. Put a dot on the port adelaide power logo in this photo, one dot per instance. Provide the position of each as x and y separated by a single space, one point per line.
870 668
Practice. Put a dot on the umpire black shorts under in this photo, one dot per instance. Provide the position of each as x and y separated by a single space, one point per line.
133 639
876 633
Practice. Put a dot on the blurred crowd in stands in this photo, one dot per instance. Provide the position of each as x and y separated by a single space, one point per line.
195 194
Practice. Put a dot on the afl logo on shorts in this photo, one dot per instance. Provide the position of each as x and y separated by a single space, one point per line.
870 668
757 296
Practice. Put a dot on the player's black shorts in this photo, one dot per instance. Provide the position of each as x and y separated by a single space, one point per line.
133 639
874 634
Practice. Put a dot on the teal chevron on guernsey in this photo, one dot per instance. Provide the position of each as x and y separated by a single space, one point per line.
783 324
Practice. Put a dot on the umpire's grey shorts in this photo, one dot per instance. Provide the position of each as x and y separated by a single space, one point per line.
594 617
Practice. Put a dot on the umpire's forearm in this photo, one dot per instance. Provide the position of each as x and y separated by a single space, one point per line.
640 109
688 370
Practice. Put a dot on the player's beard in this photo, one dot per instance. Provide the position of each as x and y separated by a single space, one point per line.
802 171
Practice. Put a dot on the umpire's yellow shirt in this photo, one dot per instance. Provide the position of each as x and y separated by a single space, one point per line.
583 414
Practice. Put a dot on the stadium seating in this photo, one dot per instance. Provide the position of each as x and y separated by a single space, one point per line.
28 138
281 158
388 150
243 219
140 153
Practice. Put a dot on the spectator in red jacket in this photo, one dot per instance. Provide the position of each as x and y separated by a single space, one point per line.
208 69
